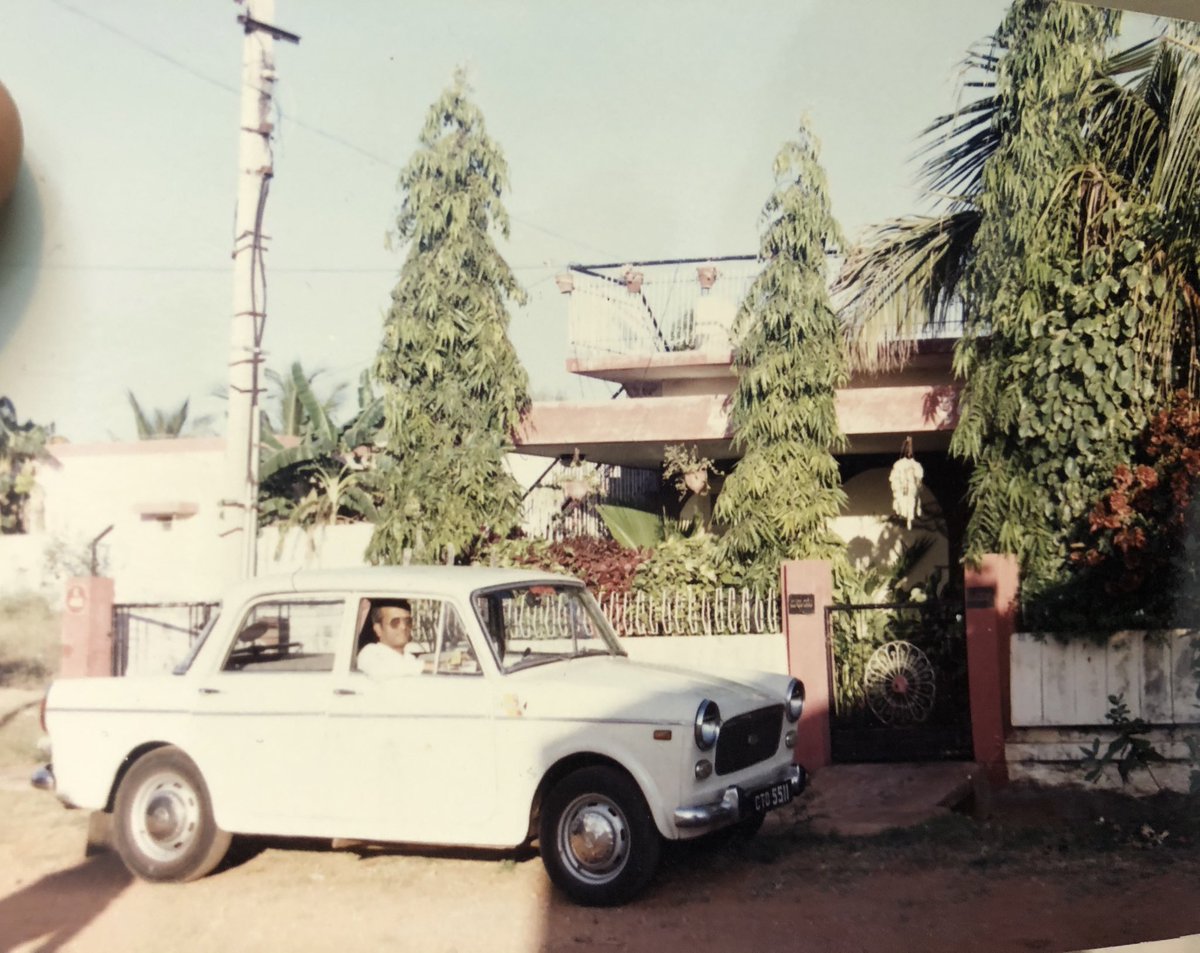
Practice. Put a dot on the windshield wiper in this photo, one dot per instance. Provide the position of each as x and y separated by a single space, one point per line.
534 660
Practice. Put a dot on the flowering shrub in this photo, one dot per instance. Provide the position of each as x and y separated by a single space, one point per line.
604 565
1141 532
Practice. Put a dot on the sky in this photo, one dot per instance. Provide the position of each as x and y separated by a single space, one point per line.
632 131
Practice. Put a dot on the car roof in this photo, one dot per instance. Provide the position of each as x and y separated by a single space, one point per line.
431 580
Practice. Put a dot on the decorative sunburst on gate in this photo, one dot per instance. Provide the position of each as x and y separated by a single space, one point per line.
899 683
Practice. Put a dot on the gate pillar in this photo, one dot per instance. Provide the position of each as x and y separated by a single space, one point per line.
87 628
806 588
991 611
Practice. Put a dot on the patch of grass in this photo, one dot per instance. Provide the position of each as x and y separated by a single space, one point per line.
30 634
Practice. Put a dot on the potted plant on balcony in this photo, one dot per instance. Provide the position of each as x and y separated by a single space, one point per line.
632 279
688 469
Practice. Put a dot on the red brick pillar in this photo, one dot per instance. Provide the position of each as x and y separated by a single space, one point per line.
991 597
87 628
806 588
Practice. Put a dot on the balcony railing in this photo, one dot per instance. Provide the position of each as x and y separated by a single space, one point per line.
657 307
661 307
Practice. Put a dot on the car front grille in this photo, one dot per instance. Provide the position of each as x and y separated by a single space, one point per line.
748 739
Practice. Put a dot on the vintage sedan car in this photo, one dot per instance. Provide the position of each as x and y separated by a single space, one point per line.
522 719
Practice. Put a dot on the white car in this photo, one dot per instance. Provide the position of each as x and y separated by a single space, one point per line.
523 719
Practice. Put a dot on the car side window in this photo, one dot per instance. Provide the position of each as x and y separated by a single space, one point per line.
411 636
455 656
287 636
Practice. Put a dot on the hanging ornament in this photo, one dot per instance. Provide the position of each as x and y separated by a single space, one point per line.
905 480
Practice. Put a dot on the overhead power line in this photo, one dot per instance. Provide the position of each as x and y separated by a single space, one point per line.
302 124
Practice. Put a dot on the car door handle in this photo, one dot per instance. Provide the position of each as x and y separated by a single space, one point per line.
344 691
210 691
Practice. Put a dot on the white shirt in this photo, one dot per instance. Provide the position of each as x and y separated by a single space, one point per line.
378 661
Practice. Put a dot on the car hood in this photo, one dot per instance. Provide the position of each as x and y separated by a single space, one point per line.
618 688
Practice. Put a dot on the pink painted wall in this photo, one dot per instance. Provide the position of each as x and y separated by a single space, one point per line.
806 588
87 628
991 591
873 410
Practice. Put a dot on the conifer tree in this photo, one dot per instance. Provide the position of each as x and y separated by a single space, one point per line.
453 388
778 501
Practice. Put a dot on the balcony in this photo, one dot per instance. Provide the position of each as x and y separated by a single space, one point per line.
671 318
664 330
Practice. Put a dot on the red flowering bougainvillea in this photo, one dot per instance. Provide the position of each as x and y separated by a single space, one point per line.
1141 527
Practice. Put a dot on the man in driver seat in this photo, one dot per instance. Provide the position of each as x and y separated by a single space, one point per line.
395 653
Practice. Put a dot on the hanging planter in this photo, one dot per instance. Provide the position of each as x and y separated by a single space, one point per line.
707 276
578 480
696 481
565 281
576 489
687 469
905 481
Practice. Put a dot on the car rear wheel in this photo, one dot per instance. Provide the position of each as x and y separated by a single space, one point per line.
597 838
163 823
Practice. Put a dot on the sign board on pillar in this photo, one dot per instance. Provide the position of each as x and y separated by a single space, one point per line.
802 603
981 597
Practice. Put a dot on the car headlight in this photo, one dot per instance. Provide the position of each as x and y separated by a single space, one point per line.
708 724
793 701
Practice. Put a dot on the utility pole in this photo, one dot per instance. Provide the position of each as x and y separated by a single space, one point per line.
239 491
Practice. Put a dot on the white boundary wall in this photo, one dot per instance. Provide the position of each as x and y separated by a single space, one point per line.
712 654
1060 695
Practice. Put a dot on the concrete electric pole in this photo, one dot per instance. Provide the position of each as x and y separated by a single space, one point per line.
239 492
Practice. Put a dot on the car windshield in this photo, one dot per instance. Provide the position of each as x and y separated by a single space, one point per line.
547 622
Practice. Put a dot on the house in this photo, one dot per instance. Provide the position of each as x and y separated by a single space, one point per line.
661 333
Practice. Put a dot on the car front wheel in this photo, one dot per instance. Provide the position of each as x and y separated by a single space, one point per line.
597 838
163 823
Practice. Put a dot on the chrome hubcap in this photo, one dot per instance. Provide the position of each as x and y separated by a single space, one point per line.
165 816
594 838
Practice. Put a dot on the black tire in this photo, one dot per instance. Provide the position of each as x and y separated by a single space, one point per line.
163 823
597 839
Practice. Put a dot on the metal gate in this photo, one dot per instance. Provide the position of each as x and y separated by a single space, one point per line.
151 638
898 676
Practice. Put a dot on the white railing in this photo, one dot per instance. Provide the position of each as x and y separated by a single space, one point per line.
611 312
545 515
691 612
675 306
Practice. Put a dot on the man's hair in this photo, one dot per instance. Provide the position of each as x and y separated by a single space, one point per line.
379 604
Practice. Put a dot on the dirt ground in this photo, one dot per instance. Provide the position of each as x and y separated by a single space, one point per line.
1044 873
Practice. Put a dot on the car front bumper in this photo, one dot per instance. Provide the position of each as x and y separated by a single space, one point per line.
735 803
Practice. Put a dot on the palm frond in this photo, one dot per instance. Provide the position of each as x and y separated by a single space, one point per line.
957 146
902 281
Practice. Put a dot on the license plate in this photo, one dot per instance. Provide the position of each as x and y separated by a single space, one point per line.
767 798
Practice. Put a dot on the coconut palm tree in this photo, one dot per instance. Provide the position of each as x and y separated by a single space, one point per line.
161 424
1067 244
906 277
